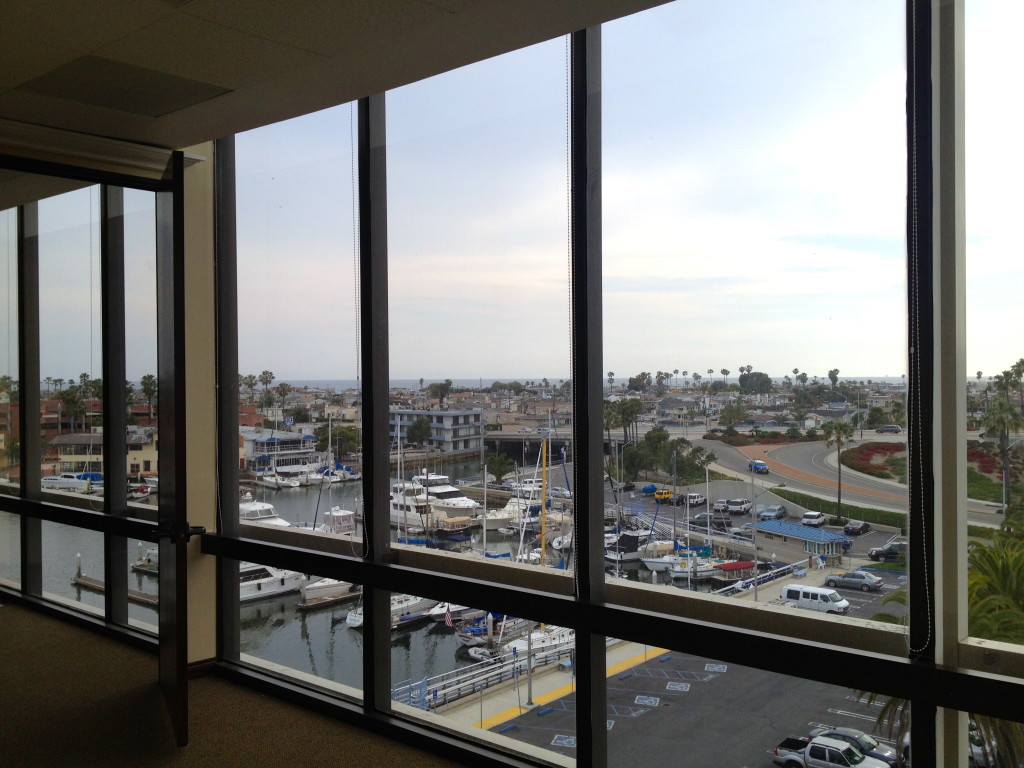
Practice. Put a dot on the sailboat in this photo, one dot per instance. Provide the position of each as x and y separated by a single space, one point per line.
405 609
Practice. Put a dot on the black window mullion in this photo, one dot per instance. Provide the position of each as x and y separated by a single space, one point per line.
373 293
115 475
226 276
587 376
28 394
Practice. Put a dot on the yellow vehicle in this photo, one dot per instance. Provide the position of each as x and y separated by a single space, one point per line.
662 494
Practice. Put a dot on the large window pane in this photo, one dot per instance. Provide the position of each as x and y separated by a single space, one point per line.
70 345
299 420
478 308
506 680
995 365
754 194
9 443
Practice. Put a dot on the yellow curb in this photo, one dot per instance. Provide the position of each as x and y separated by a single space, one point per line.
564 690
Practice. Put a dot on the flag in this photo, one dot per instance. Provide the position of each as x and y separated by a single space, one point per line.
448 614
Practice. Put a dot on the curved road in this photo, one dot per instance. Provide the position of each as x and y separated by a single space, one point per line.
811 468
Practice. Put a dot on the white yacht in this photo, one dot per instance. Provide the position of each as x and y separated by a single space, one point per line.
410 508
405 609
444 497
252 511
257 582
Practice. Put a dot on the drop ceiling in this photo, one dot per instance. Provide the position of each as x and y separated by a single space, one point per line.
173 73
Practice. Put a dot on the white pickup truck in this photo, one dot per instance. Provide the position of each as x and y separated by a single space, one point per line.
695 500
821 752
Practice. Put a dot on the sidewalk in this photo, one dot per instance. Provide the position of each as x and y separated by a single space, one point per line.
502 703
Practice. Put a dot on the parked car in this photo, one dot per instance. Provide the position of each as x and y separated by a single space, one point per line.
694 500
738 506
620 486
558 492
894 550
864 742
662 495
718 520
892 429
773 512
817 519
856 528
862 580
720 505
814 598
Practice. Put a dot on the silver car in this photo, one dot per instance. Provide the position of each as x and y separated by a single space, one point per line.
862 580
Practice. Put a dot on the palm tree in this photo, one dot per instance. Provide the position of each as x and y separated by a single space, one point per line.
711 374
675 372
1002 418
611 379
266 379
250 381
838 433
148 385
725 373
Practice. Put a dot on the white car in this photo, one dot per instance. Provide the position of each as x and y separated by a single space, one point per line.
720 505
558 492
817 519
738 506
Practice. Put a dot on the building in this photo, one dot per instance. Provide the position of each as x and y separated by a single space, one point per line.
83 452
140 104
450 431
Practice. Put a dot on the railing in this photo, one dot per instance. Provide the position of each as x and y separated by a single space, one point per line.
432 692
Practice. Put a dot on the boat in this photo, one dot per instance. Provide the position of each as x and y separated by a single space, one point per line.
137 491
148 562
635 545
258 582
405 610
410 509
251 511
444 497
699 567
273 480
543 638
338 521
491 630
321 588
449 613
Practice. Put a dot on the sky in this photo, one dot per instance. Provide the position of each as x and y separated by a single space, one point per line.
753 175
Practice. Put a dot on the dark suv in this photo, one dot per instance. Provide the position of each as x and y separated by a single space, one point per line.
894 550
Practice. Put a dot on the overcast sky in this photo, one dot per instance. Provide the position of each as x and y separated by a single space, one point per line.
754 206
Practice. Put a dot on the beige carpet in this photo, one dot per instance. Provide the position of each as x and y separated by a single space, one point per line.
72 698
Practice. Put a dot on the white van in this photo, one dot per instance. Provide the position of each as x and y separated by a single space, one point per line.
815 598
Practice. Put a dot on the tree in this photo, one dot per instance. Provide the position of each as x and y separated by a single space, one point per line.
725 373
611 379
421 383
283 390
250 381
838 433
148 385
499 465
755 383
441 390
1002 418
733 413
833 376
419 431
299 413
266 379
74 407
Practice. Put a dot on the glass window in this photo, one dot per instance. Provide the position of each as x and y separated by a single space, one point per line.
71 351
300 417
754 205
994 408
478 310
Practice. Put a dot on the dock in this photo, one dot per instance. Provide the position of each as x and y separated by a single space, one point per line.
96 585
